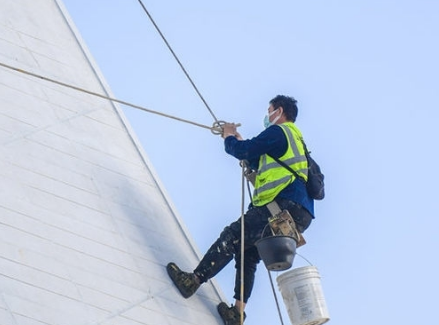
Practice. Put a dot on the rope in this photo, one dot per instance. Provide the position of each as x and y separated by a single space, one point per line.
243 164
275 298
216 128
217 124
242 263
177 59
242 245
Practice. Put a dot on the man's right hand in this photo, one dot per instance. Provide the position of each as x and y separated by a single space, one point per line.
230 129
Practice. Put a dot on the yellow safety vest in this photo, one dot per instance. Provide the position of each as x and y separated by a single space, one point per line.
273 177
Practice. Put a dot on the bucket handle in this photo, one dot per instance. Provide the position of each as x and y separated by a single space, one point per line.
272 232
303 257
285 216
265 228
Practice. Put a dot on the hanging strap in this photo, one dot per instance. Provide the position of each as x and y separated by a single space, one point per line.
289 168
274 208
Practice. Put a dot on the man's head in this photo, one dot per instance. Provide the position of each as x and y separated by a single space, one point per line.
288 105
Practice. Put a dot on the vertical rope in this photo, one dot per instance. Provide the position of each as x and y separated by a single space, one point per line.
242 245
275 298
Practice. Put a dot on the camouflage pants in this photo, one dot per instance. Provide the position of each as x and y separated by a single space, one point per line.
228 245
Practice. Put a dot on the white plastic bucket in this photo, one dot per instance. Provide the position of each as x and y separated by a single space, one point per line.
303 296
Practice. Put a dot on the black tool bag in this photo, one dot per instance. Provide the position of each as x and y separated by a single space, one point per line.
315 186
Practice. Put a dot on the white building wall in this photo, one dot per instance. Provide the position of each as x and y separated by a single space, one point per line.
86 229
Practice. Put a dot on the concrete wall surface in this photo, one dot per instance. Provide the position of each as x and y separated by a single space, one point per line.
86 228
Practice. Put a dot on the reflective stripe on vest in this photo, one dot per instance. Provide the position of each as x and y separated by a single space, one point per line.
273 177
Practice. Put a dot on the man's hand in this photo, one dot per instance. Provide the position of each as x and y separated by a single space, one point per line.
230 129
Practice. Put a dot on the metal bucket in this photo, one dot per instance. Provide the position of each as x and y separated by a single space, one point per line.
277 252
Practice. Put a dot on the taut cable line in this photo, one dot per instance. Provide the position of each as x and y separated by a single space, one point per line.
241 289
216 129
178 61
275 298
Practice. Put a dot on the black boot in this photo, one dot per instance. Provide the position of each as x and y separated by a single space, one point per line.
230 315
185 282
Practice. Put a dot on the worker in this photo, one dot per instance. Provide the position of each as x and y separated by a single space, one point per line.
281 139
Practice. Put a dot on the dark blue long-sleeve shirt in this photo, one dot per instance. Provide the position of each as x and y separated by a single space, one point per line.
271 141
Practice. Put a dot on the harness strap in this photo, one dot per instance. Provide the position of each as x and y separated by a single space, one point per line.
274 208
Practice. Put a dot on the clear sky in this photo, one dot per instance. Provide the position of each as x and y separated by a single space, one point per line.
366 77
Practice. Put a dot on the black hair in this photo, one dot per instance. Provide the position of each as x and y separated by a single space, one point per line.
289 105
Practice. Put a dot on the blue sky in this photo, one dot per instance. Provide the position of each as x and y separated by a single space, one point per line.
366 76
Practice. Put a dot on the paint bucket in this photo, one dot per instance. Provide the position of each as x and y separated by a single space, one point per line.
303 296
277 252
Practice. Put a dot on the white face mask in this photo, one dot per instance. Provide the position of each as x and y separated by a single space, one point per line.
267 122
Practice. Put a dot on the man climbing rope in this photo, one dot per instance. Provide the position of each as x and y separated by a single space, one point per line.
281 140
